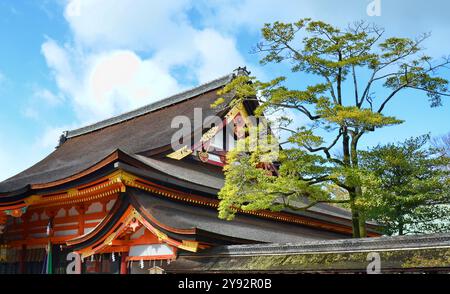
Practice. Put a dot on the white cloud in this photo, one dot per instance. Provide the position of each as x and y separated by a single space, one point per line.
216 54
50 137
107 83
60 61
47 97
123 24
252 14
122 54
403 18
120 80
40 101
101 71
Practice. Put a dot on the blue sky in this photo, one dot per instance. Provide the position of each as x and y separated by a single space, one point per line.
64 64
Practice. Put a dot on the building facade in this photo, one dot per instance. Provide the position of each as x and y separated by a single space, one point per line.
116 197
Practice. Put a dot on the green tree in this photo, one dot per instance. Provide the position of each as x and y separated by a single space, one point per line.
360 72
407 187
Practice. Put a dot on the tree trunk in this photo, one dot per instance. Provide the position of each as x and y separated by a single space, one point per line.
352 191
357 189
362 226
400 226
355 223
355 216
362 219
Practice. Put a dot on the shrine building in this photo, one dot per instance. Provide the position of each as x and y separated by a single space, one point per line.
115 197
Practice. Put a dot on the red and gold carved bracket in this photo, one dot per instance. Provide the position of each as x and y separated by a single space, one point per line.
132 220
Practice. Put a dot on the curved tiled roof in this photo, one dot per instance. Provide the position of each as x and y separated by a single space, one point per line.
181 173
134 134
186 216
144 129
195 172
167 102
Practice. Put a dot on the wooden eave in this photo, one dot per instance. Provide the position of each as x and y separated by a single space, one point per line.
116 223
120 179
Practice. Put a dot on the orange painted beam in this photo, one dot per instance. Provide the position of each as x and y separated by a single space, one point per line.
55 229
61 220
41 241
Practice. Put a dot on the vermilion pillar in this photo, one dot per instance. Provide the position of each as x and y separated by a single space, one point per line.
123 263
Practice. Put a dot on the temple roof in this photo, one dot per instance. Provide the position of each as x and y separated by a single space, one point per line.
167 102
136 142
195 172
211 176
399 254
190 174
338 245
135 132
204 219
186 221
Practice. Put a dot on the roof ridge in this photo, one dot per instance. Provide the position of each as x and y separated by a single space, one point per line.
168 101
338 245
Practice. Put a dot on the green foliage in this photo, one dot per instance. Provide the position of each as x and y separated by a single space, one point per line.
313 167
411 193
354 117
249 187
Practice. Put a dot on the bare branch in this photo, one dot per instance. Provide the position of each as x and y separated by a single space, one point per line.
355 85
409 84
428 91
295 208
326 150
382 66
